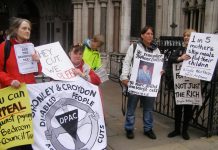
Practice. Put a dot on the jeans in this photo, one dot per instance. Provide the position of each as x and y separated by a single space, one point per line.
148 105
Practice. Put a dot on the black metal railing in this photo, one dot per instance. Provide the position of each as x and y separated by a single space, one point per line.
116 60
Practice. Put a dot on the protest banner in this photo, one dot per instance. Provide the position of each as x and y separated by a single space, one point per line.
187 90
202 48
146 73
15 117
55 63
67 115
24 58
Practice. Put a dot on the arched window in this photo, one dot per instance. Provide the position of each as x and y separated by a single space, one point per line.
136 16
151 13
194 14
136 11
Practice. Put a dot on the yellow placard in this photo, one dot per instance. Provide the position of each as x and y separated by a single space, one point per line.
16 126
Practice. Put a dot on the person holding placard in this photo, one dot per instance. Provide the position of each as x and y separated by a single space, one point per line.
144 44
19 32
186 110
82 69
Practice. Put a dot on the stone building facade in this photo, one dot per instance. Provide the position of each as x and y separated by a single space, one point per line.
120 21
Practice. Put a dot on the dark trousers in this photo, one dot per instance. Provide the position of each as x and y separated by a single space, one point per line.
187 112
22 147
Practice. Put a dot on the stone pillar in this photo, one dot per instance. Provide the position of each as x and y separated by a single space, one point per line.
103 23
91 4
159 18
116 30
173 25
43 30
191 17
200 18
211 16
125 26
77 23
185 18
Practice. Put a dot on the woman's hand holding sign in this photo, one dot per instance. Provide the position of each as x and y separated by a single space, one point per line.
15 84
35 57
125 82
184 57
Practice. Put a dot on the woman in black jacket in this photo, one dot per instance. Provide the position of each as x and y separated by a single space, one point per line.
178 56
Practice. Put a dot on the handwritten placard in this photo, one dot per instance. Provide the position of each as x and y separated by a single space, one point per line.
16 126
55 63
203 50
24 58
187 90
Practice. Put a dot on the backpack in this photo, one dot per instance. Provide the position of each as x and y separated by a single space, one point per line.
7 50
134 48
125 89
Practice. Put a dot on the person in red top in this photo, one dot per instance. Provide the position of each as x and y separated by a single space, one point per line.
82 69
19 33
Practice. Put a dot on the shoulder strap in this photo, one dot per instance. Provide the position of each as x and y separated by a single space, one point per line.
7 50
134 48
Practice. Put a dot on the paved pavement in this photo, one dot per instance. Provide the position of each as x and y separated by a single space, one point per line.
162 126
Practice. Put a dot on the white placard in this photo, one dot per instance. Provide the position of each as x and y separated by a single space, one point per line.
203 50
145 83
25 62
187 90
102 73
55 63
67 115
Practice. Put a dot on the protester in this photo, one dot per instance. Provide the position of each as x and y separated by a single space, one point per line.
179 56
145 44
91 55
19 32
82 69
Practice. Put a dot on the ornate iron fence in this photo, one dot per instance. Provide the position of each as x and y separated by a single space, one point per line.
116 60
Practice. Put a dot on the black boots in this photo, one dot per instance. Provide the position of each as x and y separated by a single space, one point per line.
150 134
185 134
130 134
173 134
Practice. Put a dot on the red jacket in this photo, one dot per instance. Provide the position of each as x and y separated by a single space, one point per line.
12 71
91 75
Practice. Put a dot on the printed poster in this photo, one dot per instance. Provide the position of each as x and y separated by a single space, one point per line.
55 63
16 126
24 58
203 50
146 74
187 90
67 115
